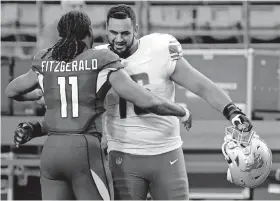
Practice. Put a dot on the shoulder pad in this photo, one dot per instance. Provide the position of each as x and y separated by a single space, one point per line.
166 43
36 62
41 54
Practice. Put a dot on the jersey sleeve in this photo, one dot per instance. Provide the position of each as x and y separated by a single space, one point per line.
109 60
174 52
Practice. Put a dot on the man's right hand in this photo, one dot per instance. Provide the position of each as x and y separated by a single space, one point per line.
23 133
237 118
187 120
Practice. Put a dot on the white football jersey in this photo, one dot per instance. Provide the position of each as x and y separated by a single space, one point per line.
130 129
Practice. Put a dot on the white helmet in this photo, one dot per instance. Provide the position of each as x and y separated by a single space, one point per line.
248 157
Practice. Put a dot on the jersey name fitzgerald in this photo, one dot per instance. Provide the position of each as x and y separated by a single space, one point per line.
74 66
74 92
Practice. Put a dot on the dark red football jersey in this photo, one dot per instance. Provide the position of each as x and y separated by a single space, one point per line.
74 92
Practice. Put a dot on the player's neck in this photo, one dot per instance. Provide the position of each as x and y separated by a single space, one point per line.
132 49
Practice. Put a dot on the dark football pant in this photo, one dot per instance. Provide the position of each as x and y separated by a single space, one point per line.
164 176
72 167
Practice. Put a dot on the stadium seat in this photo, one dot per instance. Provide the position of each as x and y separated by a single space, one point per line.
7 19
163 16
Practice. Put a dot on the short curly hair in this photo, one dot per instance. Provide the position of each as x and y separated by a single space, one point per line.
122 11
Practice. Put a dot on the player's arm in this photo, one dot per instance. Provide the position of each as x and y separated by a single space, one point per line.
22 88
182 73
188 77
126 88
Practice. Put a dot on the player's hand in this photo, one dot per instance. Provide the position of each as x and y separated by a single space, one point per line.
187 120
41 101
237 118
241 122
40 93
104 147
23 133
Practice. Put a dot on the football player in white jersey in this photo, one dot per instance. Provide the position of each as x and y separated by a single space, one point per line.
145 153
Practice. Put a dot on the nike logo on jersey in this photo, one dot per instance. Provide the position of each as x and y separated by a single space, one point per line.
172 162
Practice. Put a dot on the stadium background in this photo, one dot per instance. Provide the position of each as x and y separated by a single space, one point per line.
235 43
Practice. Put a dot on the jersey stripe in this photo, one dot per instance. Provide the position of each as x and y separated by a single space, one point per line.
100 186
175 50
41 81
102 78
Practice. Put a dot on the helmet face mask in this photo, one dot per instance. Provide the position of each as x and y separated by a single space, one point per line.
243 138
248 157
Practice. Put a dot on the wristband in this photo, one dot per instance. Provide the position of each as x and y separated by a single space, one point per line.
187 115
37 129
230 109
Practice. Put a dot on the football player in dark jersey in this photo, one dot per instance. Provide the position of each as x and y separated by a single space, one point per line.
74 79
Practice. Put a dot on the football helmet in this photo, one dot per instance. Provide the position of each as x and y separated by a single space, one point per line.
248 156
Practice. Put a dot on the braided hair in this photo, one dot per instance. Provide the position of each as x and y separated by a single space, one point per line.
72 28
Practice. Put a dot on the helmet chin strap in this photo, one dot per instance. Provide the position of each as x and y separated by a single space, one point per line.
229 177
224 152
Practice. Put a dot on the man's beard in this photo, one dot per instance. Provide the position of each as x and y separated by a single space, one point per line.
126 52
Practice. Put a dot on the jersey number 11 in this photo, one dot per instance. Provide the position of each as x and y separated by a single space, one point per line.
73 81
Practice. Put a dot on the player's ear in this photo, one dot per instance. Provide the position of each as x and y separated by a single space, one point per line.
91 36
136 29
90 31
106 26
